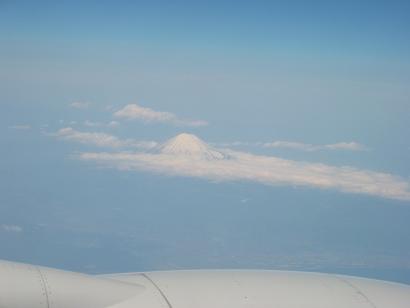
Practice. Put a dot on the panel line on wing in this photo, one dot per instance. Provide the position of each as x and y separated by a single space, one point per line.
358 291
44 285
159 290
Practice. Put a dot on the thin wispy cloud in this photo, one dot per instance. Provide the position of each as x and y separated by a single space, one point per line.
80 105
348 146
110 124
20 127
12 228
113 124
301 146
351 146
101 139
92 124
136 112
195 158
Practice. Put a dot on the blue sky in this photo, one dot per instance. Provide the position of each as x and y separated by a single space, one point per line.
315 84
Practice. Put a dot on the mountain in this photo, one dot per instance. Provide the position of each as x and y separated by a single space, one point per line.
190 146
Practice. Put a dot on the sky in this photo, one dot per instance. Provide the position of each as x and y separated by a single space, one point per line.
152 135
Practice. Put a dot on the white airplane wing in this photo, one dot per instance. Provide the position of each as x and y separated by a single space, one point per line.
23 286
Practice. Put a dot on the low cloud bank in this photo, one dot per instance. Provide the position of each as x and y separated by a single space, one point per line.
268 170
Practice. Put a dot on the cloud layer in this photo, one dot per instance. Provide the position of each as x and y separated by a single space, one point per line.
101 139
267 170
136 112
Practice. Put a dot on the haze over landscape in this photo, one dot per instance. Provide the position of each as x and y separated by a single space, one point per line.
154 135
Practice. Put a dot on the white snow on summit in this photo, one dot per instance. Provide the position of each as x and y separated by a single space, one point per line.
190 146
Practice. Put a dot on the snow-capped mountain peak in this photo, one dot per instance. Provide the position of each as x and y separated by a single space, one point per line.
189 145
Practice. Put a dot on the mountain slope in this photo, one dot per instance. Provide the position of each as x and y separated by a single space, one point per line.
190 146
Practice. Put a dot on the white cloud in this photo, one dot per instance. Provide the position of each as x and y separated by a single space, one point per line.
110 124
268 170
43 127
80 105
20 127
92 124
113 124
136 112
12 228
101 139
350 146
